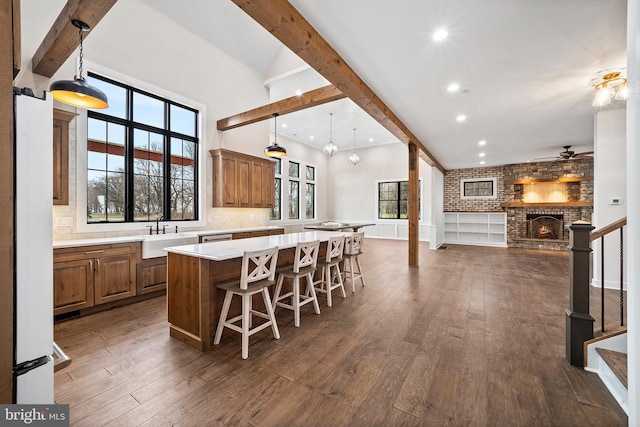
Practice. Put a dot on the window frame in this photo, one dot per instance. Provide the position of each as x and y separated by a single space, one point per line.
302 182
80 223
398 181
494 188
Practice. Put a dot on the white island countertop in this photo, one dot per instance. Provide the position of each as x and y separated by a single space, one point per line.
229 249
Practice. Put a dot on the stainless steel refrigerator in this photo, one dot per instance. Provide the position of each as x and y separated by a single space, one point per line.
33 338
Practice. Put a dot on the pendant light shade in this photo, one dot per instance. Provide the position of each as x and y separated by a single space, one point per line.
354 158
78 92
274 150
330 148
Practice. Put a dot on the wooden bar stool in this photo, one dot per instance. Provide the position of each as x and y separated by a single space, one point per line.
353 248
330 276
257 274
304 265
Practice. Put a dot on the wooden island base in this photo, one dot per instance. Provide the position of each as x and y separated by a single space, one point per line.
194 303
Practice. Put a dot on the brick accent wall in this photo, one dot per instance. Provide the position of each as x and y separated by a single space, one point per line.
452 200
516 217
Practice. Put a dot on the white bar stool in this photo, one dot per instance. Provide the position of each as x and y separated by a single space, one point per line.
353 248
304 265
331 277
262 275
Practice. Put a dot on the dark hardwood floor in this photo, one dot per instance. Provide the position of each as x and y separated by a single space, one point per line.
474 336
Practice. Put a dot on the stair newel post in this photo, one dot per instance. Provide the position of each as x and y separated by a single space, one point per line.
579 321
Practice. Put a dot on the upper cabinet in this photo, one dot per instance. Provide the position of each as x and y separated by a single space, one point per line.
241 180
61 121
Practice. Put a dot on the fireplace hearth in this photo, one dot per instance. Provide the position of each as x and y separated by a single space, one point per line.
545 226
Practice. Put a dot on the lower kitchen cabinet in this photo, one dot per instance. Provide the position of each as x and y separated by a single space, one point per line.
91 275
73 285
152 275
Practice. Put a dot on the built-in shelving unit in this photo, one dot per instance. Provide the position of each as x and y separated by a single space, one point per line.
476 228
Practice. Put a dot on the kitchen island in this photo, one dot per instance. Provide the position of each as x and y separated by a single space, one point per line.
193 302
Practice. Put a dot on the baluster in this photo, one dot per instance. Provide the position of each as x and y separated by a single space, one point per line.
621 277
602 283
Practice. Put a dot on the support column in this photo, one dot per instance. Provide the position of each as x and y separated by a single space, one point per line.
579 321
414 228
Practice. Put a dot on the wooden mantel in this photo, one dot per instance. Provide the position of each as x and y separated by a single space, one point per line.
546 204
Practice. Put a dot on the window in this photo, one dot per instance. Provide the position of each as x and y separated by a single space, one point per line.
310 193
393 200
478 188
142 157
276 211
294 190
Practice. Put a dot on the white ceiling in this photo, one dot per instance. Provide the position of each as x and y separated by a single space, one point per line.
524 68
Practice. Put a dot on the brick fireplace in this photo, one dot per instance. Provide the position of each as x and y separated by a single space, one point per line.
573 179
568 193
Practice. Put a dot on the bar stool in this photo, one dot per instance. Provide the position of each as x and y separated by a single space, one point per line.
257 274
331 277
353 248
304 265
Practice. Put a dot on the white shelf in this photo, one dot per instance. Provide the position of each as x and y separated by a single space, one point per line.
476 228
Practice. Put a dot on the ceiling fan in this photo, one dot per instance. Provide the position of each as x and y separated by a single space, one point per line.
567 155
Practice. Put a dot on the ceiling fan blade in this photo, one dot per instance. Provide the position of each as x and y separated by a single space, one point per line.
583 154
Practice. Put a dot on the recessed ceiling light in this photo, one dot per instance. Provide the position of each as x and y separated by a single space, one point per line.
298 92
482 162
481 155
453 87
461 118
440 34
311 137
284 125
482 142
370 139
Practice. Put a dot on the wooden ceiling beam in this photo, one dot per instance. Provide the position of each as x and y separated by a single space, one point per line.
62 39
284 22
295 103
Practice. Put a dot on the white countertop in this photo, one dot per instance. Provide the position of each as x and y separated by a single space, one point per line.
229 249
57 244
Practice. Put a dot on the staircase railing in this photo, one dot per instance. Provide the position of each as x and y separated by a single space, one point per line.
579 320
600 234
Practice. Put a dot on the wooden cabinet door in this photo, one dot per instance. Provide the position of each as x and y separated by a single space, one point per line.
229 182
114 278
243 182
256 185
151 275
73 285
268 185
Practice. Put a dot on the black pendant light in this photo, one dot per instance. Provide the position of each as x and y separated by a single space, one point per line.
274 150
78 92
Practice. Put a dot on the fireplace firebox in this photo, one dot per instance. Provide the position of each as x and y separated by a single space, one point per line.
545 226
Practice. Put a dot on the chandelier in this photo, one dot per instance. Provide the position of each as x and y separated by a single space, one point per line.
609 85
330 148
354 158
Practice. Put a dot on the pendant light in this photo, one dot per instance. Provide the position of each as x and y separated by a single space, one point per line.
354 158
274 150
330 148
78 92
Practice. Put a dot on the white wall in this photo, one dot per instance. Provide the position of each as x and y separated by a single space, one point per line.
139 45
609 182
353 189
633 209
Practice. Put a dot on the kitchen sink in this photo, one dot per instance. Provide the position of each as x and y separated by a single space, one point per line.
153 245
